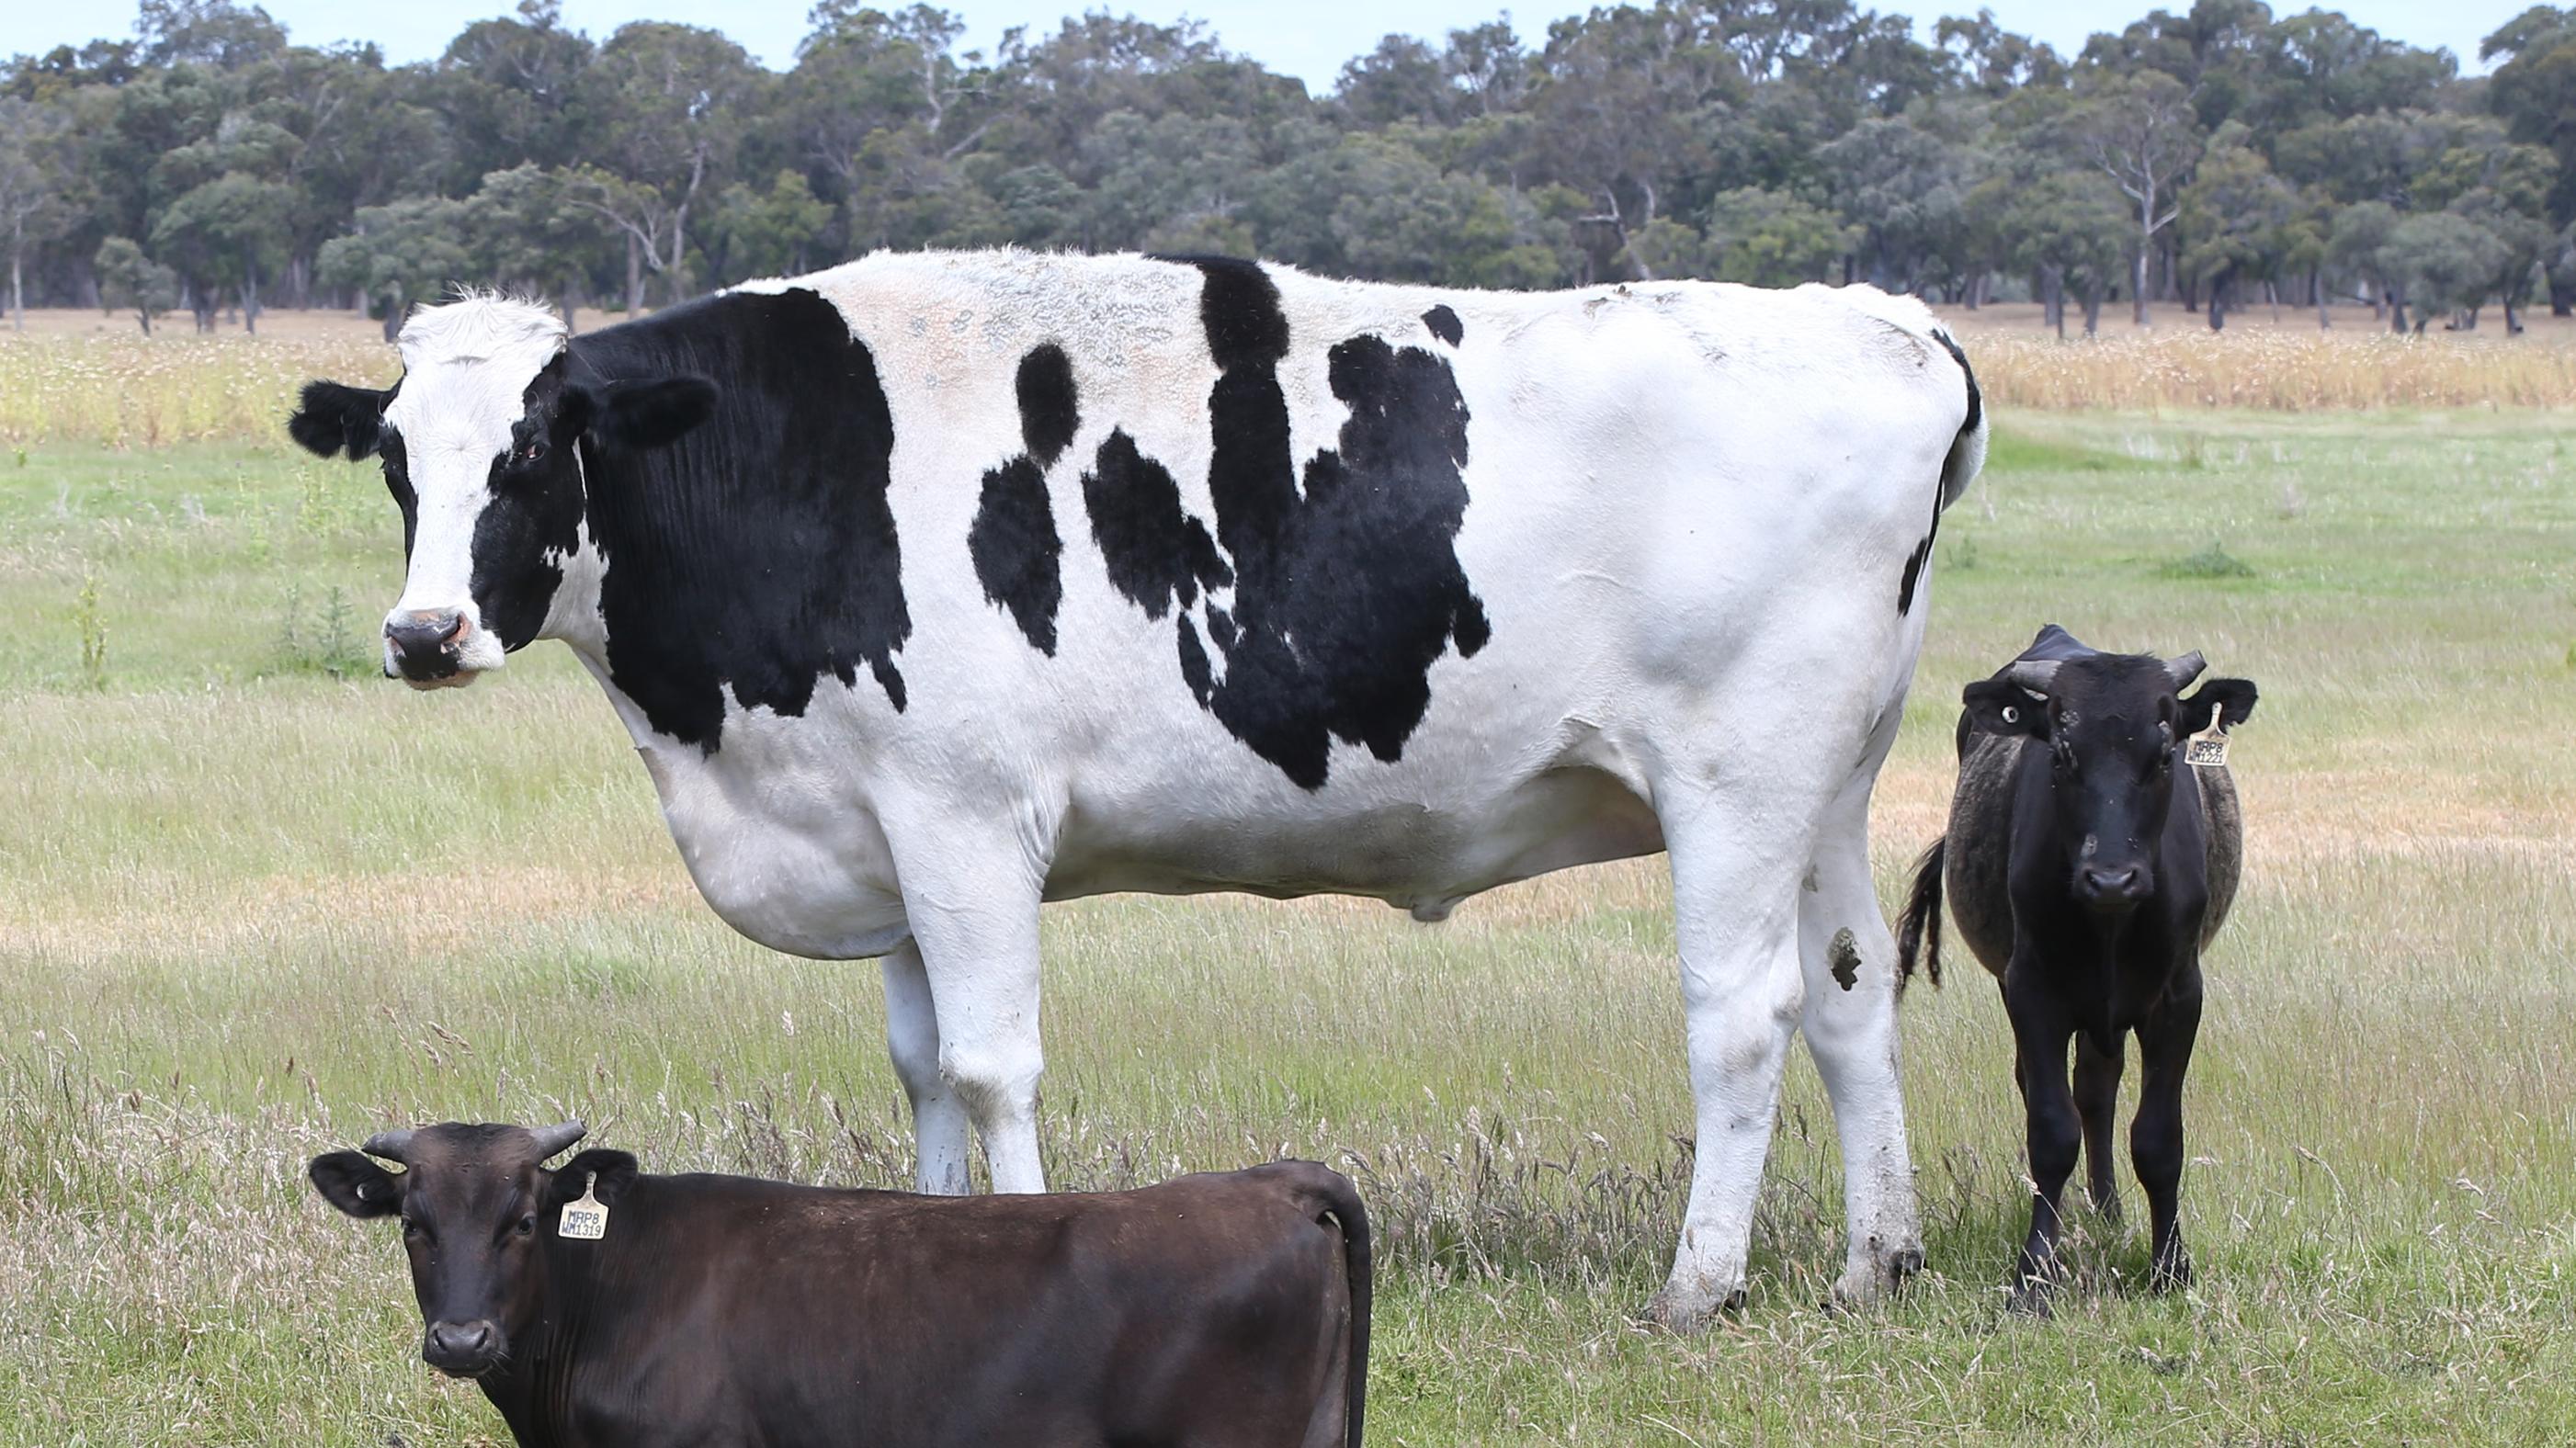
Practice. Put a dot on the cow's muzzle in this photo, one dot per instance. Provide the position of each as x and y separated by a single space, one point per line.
462 1349
2113 889
425 647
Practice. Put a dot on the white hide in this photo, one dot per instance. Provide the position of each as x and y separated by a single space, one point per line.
1690 507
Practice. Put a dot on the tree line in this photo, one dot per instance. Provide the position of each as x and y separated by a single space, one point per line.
2218 157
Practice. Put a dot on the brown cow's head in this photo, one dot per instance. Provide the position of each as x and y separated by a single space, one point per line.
477 1205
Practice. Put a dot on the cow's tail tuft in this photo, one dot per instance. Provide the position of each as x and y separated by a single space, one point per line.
1918 930
1337 1201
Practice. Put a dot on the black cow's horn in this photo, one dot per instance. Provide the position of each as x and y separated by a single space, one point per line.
2033 674
2185 669
390 1145
553 1139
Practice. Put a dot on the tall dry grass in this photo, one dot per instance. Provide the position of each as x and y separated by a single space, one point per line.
128 391
2272 369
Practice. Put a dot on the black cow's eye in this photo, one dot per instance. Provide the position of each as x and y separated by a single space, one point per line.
527 1225
414 1231
535 452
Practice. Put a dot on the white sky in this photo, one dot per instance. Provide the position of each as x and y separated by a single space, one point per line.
1310 40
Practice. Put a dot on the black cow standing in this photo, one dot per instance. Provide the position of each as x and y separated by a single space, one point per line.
599 1306
2088 864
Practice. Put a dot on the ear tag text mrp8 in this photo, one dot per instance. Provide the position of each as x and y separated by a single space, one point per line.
2208 748
585 1219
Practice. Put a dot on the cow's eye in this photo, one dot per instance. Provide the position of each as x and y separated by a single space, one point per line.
534 452
414 1231
527 1225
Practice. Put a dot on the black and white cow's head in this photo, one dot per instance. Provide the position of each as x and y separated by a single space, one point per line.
483 442
2114 726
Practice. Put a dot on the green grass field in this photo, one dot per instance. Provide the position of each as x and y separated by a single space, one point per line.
255 903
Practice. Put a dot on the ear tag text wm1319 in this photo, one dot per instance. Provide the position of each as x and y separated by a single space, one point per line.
585 1219
2208 748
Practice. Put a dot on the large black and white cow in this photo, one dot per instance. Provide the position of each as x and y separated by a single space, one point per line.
935 586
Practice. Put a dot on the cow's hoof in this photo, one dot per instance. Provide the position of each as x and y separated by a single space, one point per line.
1884 1275
1680 1309
2031 1297
2170 1276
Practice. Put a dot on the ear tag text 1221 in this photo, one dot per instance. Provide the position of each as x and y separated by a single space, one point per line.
586 1218
2208 748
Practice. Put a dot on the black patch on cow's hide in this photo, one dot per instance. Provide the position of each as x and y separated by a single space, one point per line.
1444 324
1016 550
1018 554
397 464
1049 414
1157 554
1346 590
535 510
757 553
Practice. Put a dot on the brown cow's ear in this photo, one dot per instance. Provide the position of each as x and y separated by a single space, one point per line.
2236 695
615 1171
1999 706
357 1186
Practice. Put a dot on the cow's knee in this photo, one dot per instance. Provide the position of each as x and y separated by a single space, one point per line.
998 1081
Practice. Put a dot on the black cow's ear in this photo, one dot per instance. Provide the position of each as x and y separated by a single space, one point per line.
614 1170
634 416
331 418
2236 696
1996 706
350 1181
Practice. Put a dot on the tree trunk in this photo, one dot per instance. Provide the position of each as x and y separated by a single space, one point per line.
571 303
2562 296
634 279
393 321
2512 321
2052 299
2093 306
2317 294
250 301
17 293
2395 296
2138 286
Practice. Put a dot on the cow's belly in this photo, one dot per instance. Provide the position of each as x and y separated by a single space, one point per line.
1419 856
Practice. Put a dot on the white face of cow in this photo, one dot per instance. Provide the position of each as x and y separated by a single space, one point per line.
482 447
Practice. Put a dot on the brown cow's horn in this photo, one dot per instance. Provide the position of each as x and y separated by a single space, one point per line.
553 1139
2185 669
2036 675
390 1145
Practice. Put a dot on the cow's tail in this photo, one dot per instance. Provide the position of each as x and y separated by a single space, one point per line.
1918 930
1336 1200
1967 450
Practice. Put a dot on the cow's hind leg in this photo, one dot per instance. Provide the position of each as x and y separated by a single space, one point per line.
939 1121
1850 1024
2097 1100
1735 887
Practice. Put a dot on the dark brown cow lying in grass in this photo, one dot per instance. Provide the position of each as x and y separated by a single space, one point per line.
2091 856
600 1306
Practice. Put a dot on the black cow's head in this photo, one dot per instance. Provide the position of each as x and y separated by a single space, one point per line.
2114 725
482 441
477 1206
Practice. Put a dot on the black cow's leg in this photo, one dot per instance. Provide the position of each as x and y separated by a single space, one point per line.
2040 1032
2155 1139
2097 1099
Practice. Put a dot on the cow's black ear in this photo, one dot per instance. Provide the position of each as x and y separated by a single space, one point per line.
2235 695
356 1185
330 418
1996 706
614 1170
634 416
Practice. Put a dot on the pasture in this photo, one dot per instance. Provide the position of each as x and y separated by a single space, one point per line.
255 903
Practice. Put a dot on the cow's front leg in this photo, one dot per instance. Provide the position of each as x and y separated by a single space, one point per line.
2040 1036
1735 909
939 1121
1850 1024
2165 1041
2097 1100
974 918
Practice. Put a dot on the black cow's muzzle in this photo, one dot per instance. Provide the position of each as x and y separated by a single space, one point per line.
462 1349
424 645
2113 889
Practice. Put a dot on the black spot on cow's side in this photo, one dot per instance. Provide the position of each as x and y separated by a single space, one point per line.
397 461
1016 549
532 520
1347 589
1221 627
1950 482
1842 956
1157 554
1444 324
1050 413
1914 567
757 554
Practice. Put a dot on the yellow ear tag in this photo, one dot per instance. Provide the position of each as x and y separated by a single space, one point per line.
2208 748
585 1219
